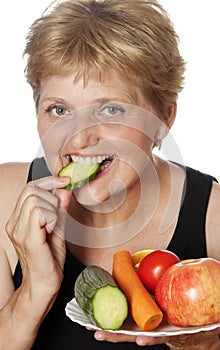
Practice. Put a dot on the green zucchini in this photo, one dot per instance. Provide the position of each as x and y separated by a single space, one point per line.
79 174
98 295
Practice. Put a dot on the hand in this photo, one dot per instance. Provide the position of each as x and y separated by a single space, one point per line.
36 228
32 230
199 341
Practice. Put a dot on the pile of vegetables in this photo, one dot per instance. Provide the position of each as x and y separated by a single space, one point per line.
151 285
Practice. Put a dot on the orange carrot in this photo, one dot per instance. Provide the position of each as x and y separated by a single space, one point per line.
143 308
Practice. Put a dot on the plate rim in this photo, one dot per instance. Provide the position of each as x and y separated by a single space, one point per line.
72 305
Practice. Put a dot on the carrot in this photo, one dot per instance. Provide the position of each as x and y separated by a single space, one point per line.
143 308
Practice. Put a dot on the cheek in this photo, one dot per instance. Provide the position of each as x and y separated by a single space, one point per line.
144 142
139 139
42 128
52 142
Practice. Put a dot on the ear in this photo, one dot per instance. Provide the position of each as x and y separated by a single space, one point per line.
166 122
170 115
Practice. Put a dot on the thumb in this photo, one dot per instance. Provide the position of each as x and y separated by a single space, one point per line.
64 197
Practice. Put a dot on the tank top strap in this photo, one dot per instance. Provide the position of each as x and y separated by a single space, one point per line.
38 169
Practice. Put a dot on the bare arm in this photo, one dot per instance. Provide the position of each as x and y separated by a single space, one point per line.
13 178
31 236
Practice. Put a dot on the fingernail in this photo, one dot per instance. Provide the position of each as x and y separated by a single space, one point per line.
64 178
99 336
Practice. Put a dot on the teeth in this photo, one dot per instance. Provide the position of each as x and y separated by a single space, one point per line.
90 160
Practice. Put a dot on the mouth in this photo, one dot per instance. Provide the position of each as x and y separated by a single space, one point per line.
104 160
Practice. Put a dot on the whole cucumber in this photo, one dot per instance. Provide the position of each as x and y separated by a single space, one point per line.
98 295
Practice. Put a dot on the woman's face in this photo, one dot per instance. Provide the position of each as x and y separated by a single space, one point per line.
109 118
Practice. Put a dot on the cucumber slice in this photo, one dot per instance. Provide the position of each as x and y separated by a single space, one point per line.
100 298
109 307
79 174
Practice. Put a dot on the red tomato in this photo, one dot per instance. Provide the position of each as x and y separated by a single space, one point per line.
154 265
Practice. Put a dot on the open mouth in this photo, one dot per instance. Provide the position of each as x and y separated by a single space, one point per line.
82 169
103 160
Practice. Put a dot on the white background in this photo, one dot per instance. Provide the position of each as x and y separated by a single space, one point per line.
196 130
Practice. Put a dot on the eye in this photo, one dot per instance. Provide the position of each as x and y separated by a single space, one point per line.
57 111
110 111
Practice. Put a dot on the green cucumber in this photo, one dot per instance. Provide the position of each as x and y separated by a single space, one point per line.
100 298
79 174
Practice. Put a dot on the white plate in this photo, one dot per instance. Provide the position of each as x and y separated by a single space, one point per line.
75 313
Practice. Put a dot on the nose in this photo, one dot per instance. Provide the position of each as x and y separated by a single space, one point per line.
84 130
86 137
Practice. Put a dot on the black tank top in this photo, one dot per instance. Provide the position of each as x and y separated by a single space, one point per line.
58 332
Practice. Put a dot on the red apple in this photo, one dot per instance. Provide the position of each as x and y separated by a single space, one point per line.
188 292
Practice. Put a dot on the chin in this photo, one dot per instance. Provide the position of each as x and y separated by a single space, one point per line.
86 197
102 200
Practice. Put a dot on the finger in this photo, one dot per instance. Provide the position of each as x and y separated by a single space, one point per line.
52 182
180 341
90 328
44 187
28 235
49 218
32 189
45 217
64 200
32 197
64 197
216 330
40 188
146 340
113 337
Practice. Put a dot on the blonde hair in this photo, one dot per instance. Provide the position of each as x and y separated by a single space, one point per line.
134 37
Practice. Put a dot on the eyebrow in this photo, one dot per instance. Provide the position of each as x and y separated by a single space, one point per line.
105 100
54 99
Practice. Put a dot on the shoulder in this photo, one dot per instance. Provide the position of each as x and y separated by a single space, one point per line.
196 175
207 191
202 205
213 222
13 177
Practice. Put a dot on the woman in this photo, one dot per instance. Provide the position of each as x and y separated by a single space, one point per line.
106 77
